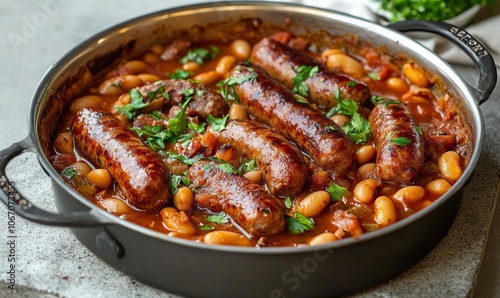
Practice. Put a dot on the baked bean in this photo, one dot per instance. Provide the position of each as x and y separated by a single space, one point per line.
177 221
82 168
365 190
387 190
184 199
255 176
421 205
86 101
124 99
314 203
148 78
365 154
115 206
345 64
191 66
119 85
397 85
151 58
100 177
449 165
240 49
209 77
340 120
329 52
237 112
438 187
419 100
158 49
410 194
323 239
226 238
135 66
64 143
416 75
385 211
367 170
225 64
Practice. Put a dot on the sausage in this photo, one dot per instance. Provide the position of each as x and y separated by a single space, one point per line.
248 204
204 101
138 170
274 105
280 60
281 162
396 163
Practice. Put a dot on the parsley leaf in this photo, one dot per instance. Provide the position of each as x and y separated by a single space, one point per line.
345 107
197 127
352 84
179 123
358 129
374 75
389 102
299 223
288 203
175 180
160 90
331 128
246 167
227 86
179 74
206 228
220 218
227 167
156 115
336 192
303 73
376 99
69 172
401 141
182 158
419 130
136 103
200 55
218 124
156 135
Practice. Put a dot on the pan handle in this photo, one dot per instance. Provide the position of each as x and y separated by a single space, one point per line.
15 202
471 46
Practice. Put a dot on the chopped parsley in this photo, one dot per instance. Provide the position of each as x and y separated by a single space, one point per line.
301 99
336 192
179 74
358 129
246 167
179 123
197 127
136 103
419 130
227 167
390 102
299 223
331 128
376 99
206 228
175 180
200 55
218 124
303 73
288 203
117 84
352 84
345 107
227 86
374 76
156 115
401 141
182 158
69 172
219 218
156 136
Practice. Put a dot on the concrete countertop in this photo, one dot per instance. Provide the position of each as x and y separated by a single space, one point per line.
50 262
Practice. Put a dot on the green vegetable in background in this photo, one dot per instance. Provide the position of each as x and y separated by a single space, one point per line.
432 10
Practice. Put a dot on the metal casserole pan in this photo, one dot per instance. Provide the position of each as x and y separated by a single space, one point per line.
187 268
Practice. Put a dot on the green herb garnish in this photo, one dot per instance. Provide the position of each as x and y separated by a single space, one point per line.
246 167
288 203
197 127
299 223
218 124
179 74
336 192
136 103
201 55
220 218
227 86
419 130
401 141
303 73
182 158
358 129
69 172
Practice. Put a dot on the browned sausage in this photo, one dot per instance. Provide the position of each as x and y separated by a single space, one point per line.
247 203
280 60
271 103
204 101
138 169
400 147
281 162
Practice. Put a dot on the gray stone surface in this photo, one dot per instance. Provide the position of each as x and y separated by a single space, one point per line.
50 262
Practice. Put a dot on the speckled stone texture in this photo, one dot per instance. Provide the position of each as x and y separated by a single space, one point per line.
50 262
